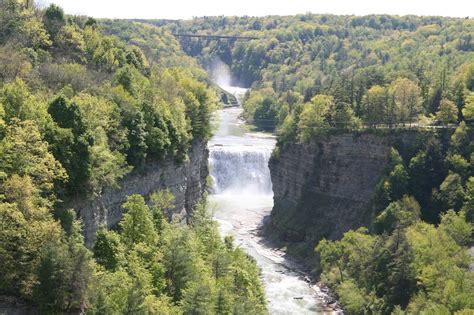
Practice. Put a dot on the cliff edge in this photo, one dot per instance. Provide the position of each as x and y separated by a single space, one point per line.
325 187
186 180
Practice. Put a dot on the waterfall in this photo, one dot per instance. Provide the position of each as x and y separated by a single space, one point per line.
238 162
240 170
242 196
219 73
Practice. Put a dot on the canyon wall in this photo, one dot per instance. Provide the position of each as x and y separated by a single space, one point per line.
325 187
186 180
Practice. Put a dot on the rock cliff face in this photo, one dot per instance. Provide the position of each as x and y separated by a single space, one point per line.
186 180
325 188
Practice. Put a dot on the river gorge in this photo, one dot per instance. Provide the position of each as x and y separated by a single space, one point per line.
242 198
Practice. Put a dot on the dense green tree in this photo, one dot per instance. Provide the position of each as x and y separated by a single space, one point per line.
157 134
441 267
17 101
126 78
406 95
375 104
345 118
137 151
468 206
112 292
460 139
23 236
71 40
468 110
54 20
451 192
448 112
108 249
395 184
405 267
78 110
180 258
107 166
137 223
343 57
398 214
198 297
313 119
266 113
64 274
426 172
162 203
24 152
20 24
71 143
67 115
458 164
262 109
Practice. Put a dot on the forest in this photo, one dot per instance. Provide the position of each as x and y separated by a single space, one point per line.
83 103
365 71
316 75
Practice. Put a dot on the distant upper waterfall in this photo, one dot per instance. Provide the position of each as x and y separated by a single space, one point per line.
240 169
220 73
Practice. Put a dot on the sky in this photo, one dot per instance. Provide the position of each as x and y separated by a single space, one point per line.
186 9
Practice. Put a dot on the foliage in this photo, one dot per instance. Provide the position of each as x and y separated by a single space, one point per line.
23 152
104 104
64 273
137 223
79 109
413 264
108 249
313 118
385 69
176 269
468 110
448 112
312 75
407 264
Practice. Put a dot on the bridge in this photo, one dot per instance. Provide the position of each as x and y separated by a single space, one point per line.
215 37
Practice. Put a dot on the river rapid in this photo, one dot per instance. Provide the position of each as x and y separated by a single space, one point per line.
242 197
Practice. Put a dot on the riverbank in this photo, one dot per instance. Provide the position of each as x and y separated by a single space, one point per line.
305 272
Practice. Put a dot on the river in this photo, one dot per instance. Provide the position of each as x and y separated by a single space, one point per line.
242 197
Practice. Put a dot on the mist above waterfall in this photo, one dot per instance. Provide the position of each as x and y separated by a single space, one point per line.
220 73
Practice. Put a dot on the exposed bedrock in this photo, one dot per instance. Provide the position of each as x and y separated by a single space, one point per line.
186 180
325 187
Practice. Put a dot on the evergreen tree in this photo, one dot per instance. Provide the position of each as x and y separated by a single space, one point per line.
137 223
107 249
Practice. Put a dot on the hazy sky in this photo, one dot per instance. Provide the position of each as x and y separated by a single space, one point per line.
185 9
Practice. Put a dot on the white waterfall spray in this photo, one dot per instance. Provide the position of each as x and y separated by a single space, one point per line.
220 73
240 170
